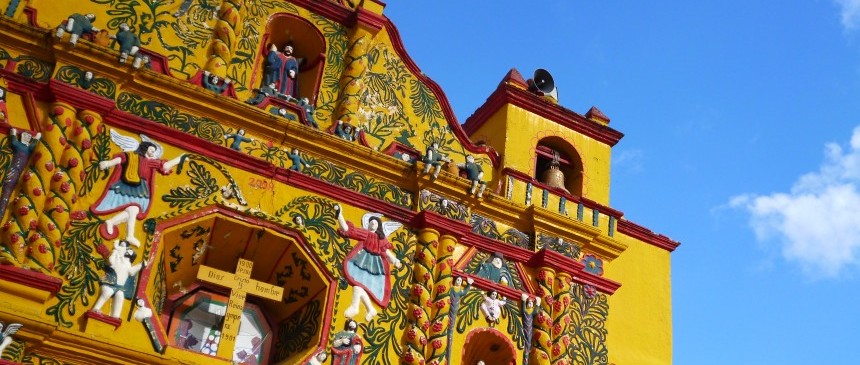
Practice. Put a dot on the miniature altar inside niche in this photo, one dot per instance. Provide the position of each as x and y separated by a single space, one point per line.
197 321
301 49
220 272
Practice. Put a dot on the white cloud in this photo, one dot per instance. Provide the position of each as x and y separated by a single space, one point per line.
631 160
818 221
850 12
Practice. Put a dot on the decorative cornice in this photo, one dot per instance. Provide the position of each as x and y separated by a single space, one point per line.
430 219
646 235
575 269
507 93
29 278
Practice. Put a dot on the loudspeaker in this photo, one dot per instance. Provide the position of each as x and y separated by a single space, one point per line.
543 84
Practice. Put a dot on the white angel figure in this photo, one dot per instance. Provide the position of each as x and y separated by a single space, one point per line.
6 336
364 267
131 186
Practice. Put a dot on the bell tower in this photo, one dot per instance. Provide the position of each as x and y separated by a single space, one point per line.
547 148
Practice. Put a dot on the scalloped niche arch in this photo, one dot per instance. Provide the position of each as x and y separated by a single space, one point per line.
309 47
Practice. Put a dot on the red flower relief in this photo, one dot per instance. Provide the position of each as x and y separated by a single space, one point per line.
57 176
437 344
65 187
79 215
37 191
43 249
73 162
23 210
437 326
86 143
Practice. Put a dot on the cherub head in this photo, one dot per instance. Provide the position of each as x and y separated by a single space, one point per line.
124 27
241 132
470 159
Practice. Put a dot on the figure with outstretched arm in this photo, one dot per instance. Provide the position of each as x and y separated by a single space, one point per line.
366 267
131 186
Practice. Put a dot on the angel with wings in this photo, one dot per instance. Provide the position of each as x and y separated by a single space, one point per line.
131 185
6 335
364 267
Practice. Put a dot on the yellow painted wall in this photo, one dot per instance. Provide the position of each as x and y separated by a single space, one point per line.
640 312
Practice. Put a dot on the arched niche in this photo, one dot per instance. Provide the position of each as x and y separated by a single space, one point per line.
570 163
490 346
309 48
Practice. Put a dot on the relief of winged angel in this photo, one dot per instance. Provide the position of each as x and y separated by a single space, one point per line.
130 188
364 267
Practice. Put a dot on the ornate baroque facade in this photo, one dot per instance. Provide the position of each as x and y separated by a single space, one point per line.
276 182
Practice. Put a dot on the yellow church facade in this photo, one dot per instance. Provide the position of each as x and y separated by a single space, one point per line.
276 182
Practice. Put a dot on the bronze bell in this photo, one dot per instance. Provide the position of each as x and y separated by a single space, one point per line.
553 176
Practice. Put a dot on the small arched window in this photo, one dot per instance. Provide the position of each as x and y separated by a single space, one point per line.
558 165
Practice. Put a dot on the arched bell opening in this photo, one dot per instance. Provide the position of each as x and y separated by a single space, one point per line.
309 49
490 346
557 164
193 310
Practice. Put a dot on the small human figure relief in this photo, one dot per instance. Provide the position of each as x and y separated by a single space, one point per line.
128 42
238 138
298 161
318 359
298 221
77 25
364 267
22 147
495 270
347 346
214 83
456 292
492 306
433 158
6 334
282 70
305 104
130 188
143 314
474 173
4 114
530 308
345 131
118 281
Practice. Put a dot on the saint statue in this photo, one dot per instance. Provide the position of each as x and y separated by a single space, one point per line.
130 187
118 281
495 270
530 311
347 346
21 150
366 267
282 71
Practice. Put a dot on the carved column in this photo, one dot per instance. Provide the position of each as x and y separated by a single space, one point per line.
561 319
417 332
224 37
542 340
353 75
438 350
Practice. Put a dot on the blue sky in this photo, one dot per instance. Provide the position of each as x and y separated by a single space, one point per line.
740 121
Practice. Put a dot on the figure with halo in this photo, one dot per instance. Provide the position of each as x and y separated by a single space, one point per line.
366 267
130 188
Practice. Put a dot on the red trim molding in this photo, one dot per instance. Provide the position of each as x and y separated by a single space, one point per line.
30 278
433 220
506 93
575 269
646 235
101 317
